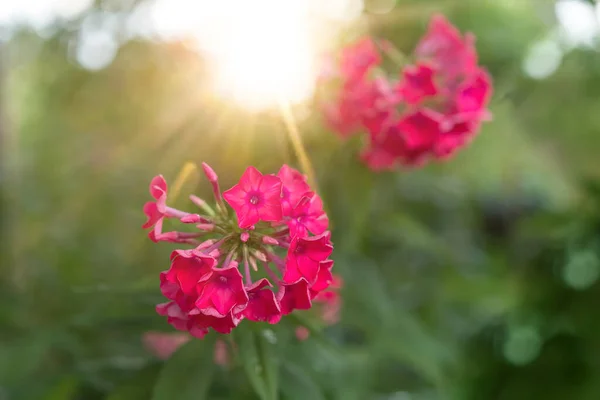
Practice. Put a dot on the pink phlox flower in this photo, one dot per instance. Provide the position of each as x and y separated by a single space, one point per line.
155 210
262 304
221 291
474 94
294 296
308 216
255 198
421 129
294 186
445 47
199 324
187 268
324 278
435 109
175 315
357 60
417 83
305 256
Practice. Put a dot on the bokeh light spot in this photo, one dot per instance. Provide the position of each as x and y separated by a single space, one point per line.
96 49
582 270
543 59
579 25
380 6
267 55
522 345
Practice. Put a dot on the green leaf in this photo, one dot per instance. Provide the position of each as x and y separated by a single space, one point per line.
259 361
23 357
268 357
188 373
139 386
316 333
297 385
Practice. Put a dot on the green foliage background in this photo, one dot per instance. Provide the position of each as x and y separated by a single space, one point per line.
471 279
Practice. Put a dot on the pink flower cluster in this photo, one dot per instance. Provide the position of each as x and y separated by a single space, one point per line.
276 232
433 109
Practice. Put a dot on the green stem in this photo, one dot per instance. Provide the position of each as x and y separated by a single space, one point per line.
294 134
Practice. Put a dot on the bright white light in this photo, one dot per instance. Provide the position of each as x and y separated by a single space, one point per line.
174 19
40 13
578 22
96 50
268 55
344 10
543 59
137 24
97 44
262 51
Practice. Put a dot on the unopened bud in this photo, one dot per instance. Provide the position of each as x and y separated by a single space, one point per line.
202 204
253 263
270 240
210 173
206 227
191 219
205 244
260 255
214 181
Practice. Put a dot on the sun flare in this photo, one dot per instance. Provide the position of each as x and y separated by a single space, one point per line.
262 52
267 56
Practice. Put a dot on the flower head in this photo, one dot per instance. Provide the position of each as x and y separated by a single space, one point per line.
435 109
262 304
444 46
305 257
474 93
255 198
357 60
308 216
278 226
294 296
155 210
187 268
293 188
220 291
417 83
